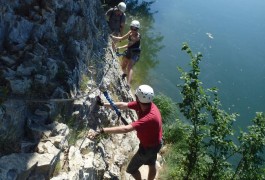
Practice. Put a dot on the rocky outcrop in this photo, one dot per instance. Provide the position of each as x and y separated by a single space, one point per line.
46 47
54 57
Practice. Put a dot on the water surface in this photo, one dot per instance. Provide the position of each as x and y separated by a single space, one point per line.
231 37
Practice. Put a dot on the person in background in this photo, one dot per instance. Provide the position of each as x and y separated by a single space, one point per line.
132 52
116 19
111 3
148 128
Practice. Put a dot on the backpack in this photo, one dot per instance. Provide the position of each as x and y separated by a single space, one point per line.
112 13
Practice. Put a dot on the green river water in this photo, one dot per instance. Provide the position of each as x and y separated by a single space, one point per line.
229 34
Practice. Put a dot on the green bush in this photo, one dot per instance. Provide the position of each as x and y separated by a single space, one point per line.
175 132
174 135
167 108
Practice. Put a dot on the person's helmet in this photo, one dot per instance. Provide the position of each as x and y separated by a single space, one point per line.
122 6
135 24
145 94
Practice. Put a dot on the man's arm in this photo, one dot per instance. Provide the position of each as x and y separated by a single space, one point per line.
120 105
111 130
107 14
118 129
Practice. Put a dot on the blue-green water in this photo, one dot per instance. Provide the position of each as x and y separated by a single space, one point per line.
231 37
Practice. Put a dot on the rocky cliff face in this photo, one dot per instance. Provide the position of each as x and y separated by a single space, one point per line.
54 57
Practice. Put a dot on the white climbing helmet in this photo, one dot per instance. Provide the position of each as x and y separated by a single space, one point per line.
145 94
135 24
122 6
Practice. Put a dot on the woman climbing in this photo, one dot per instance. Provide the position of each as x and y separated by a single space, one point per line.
132 53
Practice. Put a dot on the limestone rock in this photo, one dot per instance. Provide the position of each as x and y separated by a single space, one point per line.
21 165
46 48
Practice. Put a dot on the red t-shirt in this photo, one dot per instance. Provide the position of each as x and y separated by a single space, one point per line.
148 126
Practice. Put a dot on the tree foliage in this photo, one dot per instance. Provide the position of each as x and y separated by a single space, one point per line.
211 142
251 164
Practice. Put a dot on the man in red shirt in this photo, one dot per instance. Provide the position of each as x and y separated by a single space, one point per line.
148 128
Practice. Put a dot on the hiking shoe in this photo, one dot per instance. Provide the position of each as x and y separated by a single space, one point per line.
123 76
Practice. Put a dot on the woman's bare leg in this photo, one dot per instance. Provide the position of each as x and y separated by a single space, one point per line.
124 64
130 72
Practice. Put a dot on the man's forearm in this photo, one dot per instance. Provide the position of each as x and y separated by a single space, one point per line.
118 129
120 105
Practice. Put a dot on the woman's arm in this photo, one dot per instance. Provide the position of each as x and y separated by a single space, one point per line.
121 47
120 38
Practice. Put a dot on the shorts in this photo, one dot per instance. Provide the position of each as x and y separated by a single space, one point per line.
143 157
133 54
